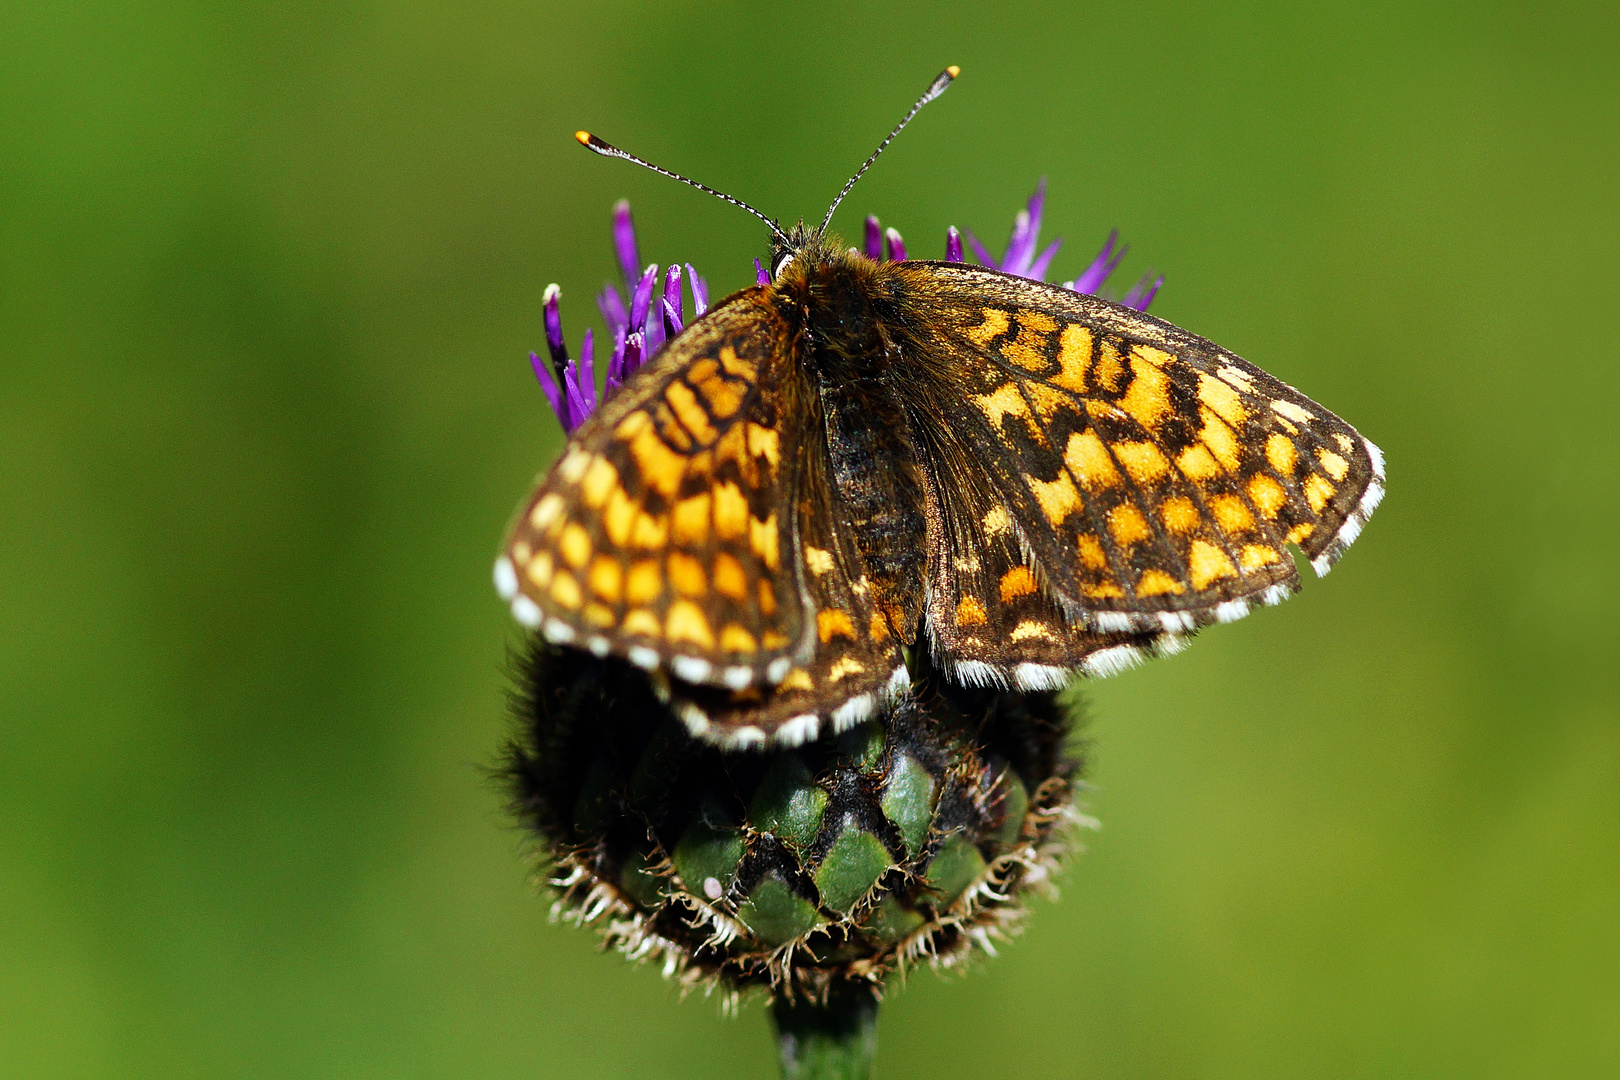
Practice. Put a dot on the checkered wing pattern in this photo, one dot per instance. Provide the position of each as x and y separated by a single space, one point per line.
1103 480
664 533
992 620
856 663
687 526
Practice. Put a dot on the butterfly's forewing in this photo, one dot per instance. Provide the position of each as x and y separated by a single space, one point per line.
665 533
1153 479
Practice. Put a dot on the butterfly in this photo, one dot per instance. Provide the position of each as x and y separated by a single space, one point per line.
856 461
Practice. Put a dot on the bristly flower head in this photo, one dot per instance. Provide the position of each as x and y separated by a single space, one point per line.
642 316
915 837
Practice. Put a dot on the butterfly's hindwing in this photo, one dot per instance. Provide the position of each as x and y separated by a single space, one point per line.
856 664
852 673
993 622
664 533
1154 478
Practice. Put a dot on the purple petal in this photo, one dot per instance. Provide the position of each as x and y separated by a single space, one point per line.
672 297
897 246
587 373
557 346
979 253
700 292
874 238
651 331
549 385
953 245
1142 293
1020 247
1153 291
760 277
576 398
634 345
615 371
1037 206
554 335
1026 234
610 302
641 299
579 386
672 319
1105 263
1037 269
624 242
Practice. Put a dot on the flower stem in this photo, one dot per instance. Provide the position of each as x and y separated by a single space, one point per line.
834 1041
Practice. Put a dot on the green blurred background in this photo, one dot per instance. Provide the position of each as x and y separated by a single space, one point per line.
270 275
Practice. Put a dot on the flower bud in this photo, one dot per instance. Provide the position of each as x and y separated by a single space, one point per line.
912 836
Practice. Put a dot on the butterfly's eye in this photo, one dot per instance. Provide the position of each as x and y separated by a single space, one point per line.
781 264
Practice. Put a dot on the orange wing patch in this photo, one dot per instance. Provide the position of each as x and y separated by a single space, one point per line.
656 536
1154 479
991 623
855 667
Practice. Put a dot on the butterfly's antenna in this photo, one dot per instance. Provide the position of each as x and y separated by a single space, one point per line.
595 145
936 88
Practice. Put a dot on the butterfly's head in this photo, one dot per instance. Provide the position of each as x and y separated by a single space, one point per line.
794 245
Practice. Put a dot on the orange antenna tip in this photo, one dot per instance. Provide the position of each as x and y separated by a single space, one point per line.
607 149
954 70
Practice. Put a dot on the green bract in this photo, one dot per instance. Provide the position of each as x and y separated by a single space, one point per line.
910 836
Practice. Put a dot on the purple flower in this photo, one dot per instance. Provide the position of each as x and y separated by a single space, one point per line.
1021 257
637 321
642 315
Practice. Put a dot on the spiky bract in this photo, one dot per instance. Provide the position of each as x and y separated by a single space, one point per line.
910 837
